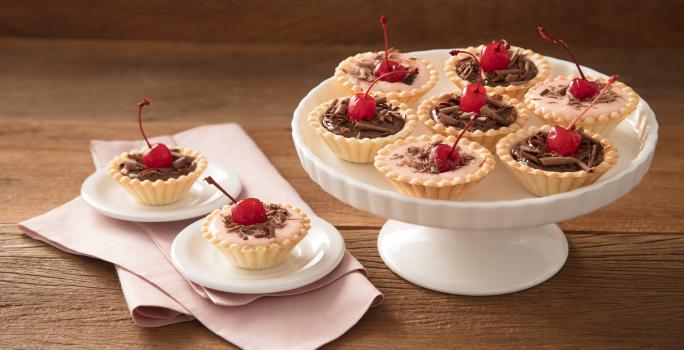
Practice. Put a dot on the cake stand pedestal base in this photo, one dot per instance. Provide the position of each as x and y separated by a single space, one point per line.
473 262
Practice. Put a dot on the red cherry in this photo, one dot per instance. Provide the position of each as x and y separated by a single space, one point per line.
388 65
495 56
563 141
362 105
441 157
248 211
583 89
580 88
445 157
157 156
474 97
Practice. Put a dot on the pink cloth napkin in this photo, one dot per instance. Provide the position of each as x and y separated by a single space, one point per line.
157 294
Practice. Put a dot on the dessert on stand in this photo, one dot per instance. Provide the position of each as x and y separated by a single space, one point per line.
509 70
554 159
563 98
358 72
498 115
500 238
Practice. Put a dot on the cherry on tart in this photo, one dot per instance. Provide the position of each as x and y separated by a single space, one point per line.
253 234
474 96
447 158
387 65
495 56
362 106
248 211
157 155
566 141
581 88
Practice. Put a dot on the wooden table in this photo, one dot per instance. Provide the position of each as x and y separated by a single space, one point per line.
622 286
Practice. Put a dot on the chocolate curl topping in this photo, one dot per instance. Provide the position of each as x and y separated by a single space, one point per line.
603 91
407 72
213 182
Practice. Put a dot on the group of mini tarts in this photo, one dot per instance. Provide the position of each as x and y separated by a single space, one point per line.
499 140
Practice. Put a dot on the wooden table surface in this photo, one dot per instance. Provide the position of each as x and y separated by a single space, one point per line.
622 286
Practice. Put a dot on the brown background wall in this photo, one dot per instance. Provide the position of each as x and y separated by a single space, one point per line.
414 24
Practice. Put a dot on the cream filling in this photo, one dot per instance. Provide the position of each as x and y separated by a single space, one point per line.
292 227
421 79
405 170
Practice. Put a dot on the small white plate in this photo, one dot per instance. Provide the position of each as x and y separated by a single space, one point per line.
312 259
101 192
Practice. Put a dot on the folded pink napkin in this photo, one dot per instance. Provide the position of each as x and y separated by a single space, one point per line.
157 294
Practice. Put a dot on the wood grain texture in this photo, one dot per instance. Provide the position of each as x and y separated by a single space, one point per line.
621 287
417 24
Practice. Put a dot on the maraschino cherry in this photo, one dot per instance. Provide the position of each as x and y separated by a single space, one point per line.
387 65
474 96
445 157
248 211
495 56
581 88
362 105
567 141
157 155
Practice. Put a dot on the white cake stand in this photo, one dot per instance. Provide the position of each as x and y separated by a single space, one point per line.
501 239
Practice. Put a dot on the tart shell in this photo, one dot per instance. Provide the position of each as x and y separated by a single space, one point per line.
260 257
545 183
446 189
488 138
513 91
603 124
405 96
360 150
159 192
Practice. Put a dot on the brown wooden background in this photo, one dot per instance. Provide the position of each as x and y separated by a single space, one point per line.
72 71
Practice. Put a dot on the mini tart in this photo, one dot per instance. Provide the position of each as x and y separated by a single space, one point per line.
358 150
487 138
603 122
159 192
259 256
447 187
545 183
343 76
513 91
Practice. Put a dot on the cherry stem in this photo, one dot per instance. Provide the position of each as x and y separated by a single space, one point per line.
141 105
463 131
410 71
479 66
593 102
210 180
383 21
500 45
546 36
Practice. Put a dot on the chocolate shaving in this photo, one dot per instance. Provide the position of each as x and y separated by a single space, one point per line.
276 217
533 153
519 71
364 70
388 120
495 114
134 168
418 158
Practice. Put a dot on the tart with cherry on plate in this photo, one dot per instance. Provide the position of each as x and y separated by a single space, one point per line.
156 175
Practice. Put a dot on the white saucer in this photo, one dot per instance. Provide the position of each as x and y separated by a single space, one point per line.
312 259
101 192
